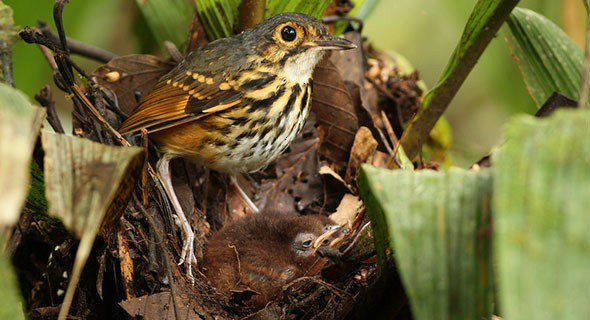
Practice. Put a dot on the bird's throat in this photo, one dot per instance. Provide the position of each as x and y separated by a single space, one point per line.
299 69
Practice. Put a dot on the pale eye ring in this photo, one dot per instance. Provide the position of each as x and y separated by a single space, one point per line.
307 243
288 33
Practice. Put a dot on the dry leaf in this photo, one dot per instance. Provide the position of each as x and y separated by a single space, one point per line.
335 111
326 170
362 151
347 210
19 126
87 186
159 306
128 75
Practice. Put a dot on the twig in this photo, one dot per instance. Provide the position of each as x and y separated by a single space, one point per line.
390 96
164 251
239 265
58 9
48 56
393 138
80 95
144 171
173 51
339 292
251 13
45 99
356 237
78 47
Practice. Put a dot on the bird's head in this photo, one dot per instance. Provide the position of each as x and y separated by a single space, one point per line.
294 42
307 231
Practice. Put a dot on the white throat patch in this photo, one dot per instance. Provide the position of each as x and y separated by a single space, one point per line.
300 69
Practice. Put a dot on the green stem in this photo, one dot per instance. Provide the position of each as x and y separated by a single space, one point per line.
484 22
585 84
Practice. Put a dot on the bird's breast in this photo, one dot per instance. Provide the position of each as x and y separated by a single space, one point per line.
273 123
249 136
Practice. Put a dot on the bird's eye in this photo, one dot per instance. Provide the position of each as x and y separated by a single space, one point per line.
307 243
288 33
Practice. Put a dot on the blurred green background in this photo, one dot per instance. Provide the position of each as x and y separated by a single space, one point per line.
424 31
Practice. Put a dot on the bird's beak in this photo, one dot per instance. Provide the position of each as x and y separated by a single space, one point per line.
326 235
330 43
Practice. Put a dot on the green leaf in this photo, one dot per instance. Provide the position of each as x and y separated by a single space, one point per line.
313 8
19 127
485 20
548 59
169 20
437 227
87 186
542 244
11 304
220 17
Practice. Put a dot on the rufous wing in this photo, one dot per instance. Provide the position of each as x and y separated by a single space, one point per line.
181 97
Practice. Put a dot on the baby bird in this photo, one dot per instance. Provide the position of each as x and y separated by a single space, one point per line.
263 252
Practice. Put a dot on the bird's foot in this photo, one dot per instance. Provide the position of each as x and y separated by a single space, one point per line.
187 255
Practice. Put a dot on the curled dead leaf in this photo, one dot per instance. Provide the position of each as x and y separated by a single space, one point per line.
128 75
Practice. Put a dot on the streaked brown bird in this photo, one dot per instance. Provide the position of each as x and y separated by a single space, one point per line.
235 104
264 252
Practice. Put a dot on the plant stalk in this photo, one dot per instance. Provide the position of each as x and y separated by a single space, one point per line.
251 13
585 83
484 22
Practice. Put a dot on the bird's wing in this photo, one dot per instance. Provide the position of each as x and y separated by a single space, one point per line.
180 97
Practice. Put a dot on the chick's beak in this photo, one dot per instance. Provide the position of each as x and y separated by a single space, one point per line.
330 43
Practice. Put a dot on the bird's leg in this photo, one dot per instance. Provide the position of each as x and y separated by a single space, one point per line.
234 181
188 236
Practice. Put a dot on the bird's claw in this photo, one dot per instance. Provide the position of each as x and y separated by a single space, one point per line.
187 254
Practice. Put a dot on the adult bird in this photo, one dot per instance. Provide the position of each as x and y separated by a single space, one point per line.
235 104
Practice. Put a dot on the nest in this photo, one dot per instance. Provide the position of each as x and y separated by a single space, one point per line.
360 104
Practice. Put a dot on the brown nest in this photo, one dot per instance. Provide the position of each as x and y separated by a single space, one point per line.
359 112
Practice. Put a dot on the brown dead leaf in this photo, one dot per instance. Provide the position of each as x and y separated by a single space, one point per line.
19 126
380 159
362 150
335 111
128 75
347 210
326 170
159 306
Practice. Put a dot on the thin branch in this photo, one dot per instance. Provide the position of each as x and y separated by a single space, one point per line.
45 99
78 47
158 233
173 51
251 13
